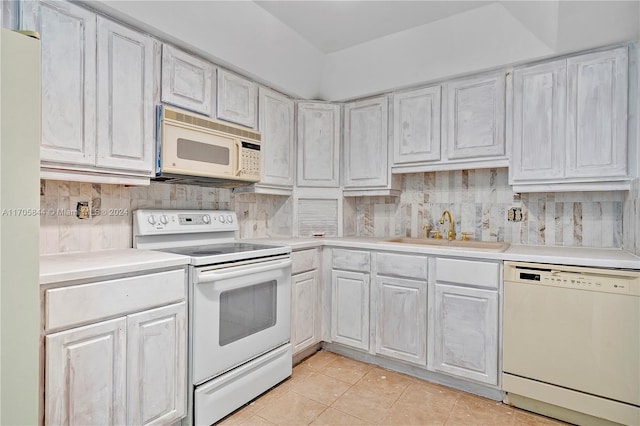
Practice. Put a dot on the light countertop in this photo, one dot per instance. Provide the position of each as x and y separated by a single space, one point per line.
578 256
55 268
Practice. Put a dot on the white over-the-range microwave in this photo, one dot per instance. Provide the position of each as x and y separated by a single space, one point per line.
192 148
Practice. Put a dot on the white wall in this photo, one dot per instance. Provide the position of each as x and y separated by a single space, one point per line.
487 37
247 39
237 34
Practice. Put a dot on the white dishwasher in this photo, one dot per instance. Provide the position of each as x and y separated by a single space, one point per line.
571 342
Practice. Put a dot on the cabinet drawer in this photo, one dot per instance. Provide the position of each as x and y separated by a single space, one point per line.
352 260
304 260
402 265
81 304
481 274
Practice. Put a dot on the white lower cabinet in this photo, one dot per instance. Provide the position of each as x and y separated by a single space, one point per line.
400 307
131 369
465 320
401 311
305 299
304 324
85 375
350 308
157 359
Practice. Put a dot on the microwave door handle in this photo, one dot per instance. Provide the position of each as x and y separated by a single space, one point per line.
238 145
229 273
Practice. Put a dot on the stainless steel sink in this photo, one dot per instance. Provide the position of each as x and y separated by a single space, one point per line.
455 244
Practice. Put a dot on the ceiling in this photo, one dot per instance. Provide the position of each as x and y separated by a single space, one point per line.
333 25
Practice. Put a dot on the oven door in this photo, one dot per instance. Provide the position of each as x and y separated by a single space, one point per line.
238 313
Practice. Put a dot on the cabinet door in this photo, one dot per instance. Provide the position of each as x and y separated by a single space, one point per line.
401 319
318 145
85 375
350 308
187 81
539 104
366 143
276 126
416 126
68 34
466 332
475 117
237 99
126 107
304 321
597 114
157 365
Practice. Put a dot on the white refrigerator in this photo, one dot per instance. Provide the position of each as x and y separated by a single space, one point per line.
19 228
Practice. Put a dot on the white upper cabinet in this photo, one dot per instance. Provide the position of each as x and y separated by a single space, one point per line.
277 128
569 124
125 98
474 119
318 145
416 126
539 107
366 148
68 43
99 88
597 114
187 81
237 99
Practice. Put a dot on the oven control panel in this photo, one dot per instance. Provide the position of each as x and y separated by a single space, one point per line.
150 222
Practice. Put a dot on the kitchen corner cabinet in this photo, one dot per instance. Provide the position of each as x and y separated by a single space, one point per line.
569 124
318 145
366 168
116 351
305 298
187 81
416 126
350 281
96 119
464 319
401 307
237 99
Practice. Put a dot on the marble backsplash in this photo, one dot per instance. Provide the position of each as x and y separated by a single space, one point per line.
479 201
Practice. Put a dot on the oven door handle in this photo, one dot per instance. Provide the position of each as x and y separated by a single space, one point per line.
207 277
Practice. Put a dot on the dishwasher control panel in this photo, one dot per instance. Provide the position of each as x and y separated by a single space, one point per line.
608 281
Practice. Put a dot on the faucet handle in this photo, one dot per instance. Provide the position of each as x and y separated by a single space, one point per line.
466 235
436 234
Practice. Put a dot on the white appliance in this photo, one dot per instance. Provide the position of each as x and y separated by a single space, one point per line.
239 307
20 123
572 342
195 149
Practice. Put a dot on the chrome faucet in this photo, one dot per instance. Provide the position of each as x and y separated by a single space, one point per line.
451 235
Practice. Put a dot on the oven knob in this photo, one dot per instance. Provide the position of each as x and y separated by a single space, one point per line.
206 218
163 219
229 218
151 219
221 218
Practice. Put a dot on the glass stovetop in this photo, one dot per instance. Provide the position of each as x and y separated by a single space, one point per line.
218 249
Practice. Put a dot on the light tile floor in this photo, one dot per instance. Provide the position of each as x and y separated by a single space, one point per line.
328 389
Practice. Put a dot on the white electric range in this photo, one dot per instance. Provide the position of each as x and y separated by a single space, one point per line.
239 307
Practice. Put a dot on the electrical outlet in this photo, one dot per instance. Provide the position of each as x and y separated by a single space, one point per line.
82 210
515 214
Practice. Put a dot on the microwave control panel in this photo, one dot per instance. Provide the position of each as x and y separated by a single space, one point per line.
250 160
